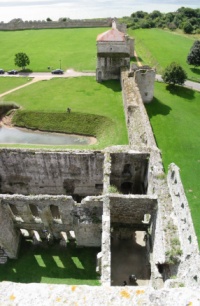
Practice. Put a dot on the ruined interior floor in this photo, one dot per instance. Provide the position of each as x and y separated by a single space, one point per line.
129 256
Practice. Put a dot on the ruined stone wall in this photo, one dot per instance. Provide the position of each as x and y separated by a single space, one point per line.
131 209
30 25
84 218
129 169
39 172
9 237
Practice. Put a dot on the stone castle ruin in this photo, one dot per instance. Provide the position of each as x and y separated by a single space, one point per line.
114 49
117 199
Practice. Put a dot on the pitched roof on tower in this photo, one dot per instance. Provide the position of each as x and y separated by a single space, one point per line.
111 35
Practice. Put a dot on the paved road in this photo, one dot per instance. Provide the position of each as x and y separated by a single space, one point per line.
72 73
188 84
49 75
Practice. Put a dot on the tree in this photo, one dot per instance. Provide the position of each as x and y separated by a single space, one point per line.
21 60
187 27
49 19
174 74
193 57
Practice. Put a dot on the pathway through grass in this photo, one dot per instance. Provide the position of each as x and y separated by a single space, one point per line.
8 83
158 48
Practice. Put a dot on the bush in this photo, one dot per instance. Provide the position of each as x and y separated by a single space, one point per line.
187 27
193 57
174 74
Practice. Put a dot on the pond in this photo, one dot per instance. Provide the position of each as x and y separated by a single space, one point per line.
12 135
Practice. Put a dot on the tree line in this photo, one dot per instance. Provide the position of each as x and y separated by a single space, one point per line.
184 18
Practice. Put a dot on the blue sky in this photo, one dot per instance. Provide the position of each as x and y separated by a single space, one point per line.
40 10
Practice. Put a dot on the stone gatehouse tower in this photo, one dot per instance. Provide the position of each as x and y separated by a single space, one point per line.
114 50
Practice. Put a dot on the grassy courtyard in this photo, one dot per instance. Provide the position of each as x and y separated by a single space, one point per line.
158 48
75 48
97 109
52 265
7 83
174 116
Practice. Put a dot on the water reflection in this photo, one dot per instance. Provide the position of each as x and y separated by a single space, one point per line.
22 136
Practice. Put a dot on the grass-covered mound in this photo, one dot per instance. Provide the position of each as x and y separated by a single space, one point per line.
75 48
159 48
52 264
8 83
73 123
174 115
96 109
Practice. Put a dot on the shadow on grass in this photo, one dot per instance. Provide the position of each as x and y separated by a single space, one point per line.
112 84
186 93
134 59
157 108
195 70
26 71
52 264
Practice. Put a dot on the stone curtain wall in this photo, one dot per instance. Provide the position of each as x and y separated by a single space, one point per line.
31 25
28 172
139 129
165 232
189 245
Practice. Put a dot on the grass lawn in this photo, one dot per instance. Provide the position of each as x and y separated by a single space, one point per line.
7 83
159 48
97 109
76 48
52 265
174 116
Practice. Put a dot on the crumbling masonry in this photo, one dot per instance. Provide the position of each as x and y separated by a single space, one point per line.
70 195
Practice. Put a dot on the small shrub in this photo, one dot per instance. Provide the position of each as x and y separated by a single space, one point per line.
113 189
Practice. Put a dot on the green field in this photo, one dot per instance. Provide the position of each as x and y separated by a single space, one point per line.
97 109
76 48
174 116
158 48
7 83
53 265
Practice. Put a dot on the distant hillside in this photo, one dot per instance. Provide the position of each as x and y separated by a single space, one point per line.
184 18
